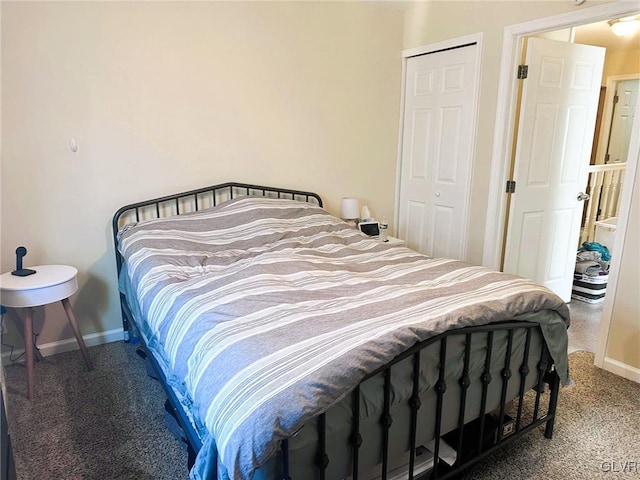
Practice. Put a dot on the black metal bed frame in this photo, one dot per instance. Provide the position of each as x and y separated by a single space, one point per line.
195 201
546 375
545 371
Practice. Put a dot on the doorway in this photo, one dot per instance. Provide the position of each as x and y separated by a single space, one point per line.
610 151
607 169
496 214
586 295
619 110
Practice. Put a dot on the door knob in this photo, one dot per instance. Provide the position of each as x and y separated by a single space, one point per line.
583 196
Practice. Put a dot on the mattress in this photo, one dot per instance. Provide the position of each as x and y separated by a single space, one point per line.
265 313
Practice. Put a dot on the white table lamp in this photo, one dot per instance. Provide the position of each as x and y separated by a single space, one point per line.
350 208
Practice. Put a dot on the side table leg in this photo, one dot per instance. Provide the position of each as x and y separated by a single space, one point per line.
28 348
20 326
76 331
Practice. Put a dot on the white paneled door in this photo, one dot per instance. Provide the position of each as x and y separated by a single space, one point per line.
437 151
622 120
557 120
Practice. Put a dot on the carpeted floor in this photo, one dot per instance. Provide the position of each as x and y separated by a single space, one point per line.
597 433
98 425
108 424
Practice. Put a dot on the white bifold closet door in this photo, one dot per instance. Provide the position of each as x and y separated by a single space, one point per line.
440 95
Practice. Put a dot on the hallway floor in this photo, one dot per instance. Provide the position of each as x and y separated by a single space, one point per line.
585 323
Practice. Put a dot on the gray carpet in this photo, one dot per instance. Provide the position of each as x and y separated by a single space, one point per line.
103 424
597 430
108 424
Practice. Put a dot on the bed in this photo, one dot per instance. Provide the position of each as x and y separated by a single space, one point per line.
291 345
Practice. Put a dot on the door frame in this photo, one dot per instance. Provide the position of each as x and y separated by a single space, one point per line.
504 131
458 42
506 110
607 112
630 183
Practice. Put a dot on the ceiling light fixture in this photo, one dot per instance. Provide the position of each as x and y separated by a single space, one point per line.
625 26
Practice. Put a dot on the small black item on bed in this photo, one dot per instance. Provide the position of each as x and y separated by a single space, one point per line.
371 229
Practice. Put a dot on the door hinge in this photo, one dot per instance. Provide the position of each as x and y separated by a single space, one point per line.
511 186
606 158
615 99
523 70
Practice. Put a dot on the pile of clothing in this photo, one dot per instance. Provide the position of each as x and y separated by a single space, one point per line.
592 259
591 273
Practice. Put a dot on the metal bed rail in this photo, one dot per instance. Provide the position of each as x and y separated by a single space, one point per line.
193 201
545 374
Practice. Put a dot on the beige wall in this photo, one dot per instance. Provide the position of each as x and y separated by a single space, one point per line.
624 335
619 60
437 21
621 63
433 22
164 97
623 342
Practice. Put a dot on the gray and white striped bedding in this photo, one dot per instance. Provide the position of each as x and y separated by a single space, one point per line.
269 311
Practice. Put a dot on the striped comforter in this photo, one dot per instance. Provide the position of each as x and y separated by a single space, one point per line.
270 311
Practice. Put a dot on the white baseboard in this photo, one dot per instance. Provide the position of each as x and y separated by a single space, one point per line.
69 344
622 369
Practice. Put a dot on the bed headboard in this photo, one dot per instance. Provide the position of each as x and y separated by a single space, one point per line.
195 200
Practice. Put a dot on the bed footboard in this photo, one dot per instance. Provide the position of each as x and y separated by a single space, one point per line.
472 411
516 377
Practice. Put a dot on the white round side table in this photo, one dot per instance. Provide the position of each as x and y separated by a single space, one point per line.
50 283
